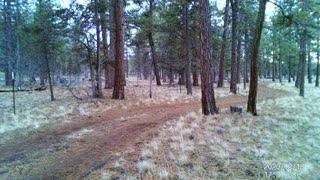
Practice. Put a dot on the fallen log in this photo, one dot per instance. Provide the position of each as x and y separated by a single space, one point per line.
70 90
42 88
23 90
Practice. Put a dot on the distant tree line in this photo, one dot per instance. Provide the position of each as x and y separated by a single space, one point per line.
181 39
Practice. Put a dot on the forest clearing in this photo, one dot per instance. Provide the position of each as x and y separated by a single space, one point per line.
160 138
152 89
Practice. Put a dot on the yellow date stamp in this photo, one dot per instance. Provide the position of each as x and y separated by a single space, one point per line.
278 170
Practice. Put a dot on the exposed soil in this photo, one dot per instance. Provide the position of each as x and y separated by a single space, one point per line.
87 143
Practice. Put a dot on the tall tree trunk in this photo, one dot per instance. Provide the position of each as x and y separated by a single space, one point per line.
155 60
280 59
303 49
297 81
103 18
303 52
245 69
43 74
127 62
151 43
98 60
49 75
260 65
182 80
8 42
224 46
164 76
109 76
92 75
235 10
110 71
18 64
18 22
289 69
318 65
207 91
252 98
187 48
274 67
309 65
119 80
195 76
239 59
146 66
244 74
171 76
298 72
247 56
139 76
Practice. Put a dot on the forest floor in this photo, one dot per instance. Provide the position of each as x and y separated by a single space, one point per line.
160 138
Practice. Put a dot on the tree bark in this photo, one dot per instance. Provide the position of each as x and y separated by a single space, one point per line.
43 73
98 66
103 18
151 43
146 66
252 98
18 64
298 80
8 43
195 76
233 82
303 52
245 73
119 80
309 65
207 91
247 57
279 62
110 71
289 69
93 84
239 59
171 77
223 46
164 76
127 62
273 63
49 76
182 80
303 40
318 65
187 48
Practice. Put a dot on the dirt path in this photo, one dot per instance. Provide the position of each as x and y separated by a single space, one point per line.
76 149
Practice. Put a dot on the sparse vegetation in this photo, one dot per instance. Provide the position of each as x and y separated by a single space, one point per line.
229 146
137 90
193 146
33 109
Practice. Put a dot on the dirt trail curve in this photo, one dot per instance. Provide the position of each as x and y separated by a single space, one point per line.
75 149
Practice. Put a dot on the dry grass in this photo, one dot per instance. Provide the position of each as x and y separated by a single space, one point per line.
224 146
229 146
35 109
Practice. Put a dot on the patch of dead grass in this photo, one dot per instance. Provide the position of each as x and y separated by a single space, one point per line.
230 146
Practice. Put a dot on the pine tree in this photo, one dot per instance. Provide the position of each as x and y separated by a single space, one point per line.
224 45
252 98
233 81
207 91
119 80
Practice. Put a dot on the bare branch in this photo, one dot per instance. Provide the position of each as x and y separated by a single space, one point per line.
279 6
